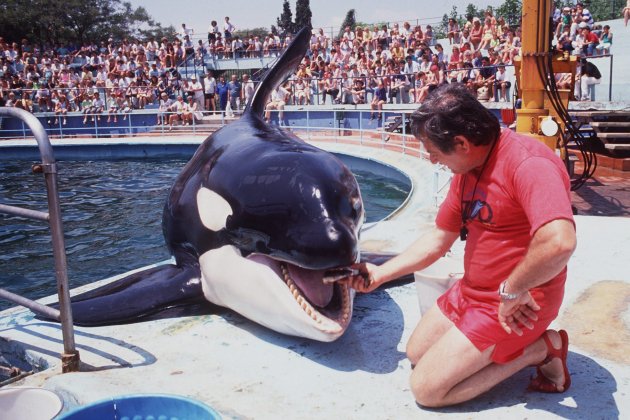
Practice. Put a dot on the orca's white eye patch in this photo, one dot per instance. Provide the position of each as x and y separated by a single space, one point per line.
213 209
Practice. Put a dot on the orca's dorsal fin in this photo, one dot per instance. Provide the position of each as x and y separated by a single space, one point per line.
283 68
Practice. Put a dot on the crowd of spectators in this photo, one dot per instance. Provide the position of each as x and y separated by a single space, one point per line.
366 65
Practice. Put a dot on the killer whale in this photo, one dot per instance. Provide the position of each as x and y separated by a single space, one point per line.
254 220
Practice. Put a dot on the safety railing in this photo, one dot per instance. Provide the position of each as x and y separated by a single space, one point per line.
70 356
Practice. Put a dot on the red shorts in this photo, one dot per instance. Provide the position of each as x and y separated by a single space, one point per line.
474 313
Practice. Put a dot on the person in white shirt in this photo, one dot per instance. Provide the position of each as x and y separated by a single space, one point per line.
278 100
228 28
198 93
186 32
247 91
209 91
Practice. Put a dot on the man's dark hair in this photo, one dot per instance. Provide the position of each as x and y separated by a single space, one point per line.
451 110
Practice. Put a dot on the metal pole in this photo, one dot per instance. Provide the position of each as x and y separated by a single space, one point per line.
70 357
611 79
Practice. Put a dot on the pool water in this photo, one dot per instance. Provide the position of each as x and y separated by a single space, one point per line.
112 216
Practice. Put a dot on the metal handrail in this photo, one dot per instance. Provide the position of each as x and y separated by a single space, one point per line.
70 356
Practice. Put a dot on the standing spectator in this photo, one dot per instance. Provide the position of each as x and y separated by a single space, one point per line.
428 36
234 92
209 91
589 75
186 32
247 90
222 91
228 29
213 30
626 13
197 91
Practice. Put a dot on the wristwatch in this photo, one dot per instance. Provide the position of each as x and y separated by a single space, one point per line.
505 295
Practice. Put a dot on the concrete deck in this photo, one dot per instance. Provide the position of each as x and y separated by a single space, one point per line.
246 371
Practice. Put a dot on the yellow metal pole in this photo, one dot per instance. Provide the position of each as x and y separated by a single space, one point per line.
534 49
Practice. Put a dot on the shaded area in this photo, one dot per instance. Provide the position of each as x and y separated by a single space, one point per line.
607 194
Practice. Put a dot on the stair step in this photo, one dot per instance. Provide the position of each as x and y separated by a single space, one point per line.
618 147
613 136
611 124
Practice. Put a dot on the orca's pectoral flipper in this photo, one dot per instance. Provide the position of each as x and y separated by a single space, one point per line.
139 296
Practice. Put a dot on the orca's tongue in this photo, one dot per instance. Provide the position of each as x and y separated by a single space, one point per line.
311 284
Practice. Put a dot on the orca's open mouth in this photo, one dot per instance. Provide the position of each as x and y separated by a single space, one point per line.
317 298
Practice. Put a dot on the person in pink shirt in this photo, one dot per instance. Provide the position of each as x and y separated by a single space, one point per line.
509 200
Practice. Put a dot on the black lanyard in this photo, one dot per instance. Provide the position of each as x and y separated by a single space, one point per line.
465 208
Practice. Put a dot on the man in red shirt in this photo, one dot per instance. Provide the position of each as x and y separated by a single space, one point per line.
510 200
591 41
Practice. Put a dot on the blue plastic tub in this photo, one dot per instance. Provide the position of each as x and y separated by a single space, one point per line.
144 407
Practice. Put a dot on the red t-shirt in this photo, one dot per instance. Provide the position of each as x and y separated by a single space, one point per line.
524 186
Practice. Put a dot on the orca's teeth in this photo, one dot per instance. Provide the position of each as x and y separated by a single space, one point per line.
313 313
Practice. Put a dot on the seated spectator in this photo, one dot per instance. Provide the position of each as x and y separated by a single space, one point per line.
501 84
61 108
589 75
476 33
178 108
563 80
380 97
358 91
420 89
428 36
484 80
302 96
331 88
452 31
605 41
113 107
591 41
279 97
92 105
164 108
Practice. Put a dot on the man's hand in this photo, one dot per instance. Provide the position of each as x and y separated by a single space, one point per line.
518 313
366 281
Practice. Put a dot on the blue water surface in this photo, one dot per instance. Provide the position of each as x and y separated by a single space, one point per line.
112 215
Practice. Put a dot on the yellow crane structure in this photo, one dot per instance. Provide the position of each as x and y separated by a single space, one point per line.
535 70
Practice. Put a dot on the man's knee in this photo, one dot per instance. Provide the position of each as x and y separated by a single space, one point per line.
425 389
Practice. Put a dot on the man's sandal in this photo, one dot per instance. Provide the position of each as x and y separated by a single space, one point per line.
540 382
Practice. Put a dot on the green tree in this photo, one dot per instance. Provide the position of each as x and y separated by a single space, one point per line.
350 21
285 21
474 11
303 15
605 9
511 10
51 22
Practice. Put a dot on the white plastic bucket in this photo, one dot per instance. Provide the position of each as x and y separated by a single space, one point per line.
434 280
29 403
